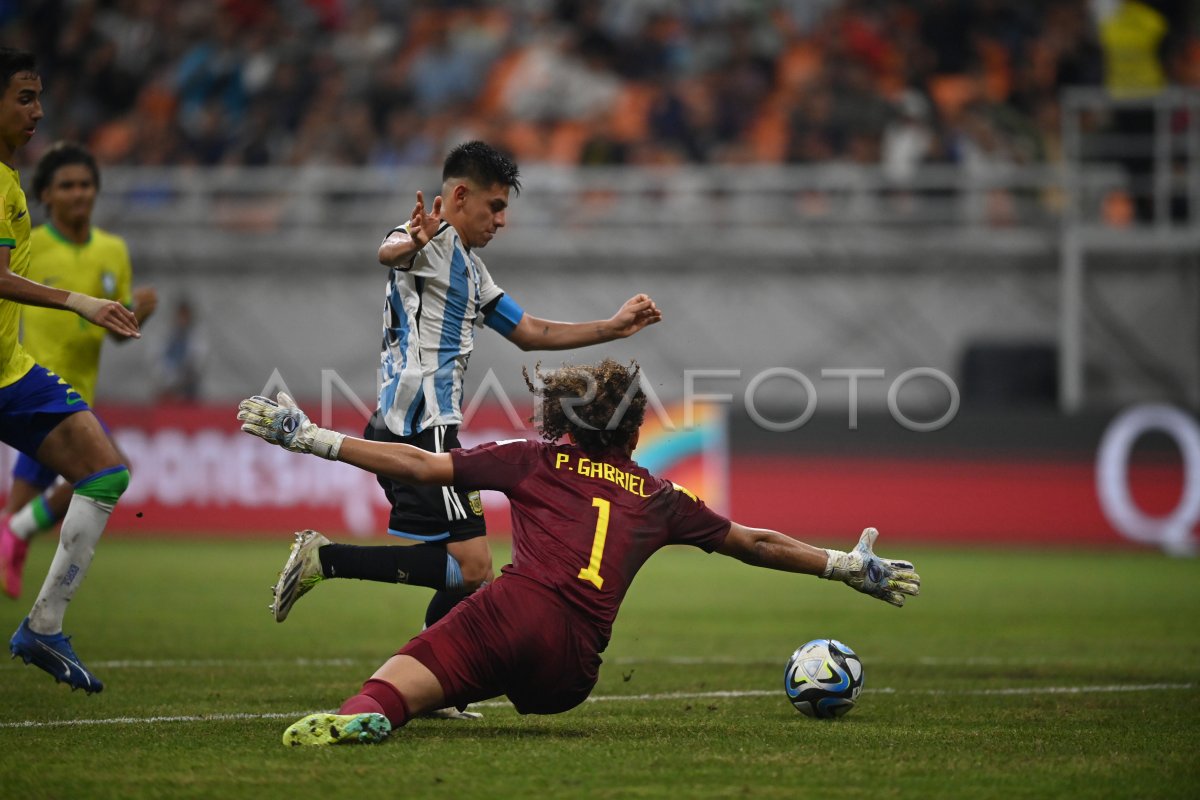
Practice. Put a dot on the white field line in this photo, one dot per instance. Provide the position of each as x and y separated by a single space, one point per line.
627 698
225 663
229 663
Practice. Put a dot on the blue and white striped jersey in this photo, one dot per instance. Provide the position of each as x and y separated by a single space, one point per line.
429 319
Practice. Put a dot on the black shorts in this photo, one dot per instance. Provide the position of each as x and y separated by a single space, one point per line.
428 513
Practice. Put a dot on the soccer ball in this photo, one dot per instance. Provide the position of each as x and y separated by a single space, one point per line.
823 678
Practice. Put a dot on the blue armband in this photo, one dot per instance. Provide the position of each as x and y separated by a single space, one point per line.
503 316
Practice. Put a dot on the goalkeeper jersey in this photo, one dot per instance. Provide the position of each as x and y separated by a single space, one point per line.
14 234
63 341
583 526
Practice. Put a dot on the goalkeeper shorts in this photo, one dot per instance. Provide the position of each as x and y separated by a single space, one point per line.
513 637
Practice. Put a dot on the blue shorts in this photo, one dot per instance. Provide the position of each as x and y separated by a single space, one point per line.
31 471
34 406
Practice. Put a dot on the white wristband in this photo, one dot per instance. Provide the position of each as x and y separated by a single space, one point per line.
327 443
84 305
838 566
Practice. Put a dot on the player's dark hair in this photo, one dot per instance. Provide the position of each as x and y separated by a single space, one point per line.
13 62
483 165
600 405
62 154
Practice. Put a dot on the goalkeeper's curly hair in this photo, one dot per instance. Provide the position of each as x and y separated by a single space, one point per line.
603 409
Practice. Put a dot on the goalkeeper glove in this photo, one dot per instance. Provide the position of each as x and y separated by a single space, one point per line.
879 577
284 424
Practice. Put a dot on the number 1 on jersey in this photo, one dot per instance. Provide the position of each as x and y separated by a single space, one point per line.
591 573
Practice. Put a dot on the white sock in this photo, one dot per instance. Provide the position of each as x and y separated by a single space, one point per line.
23 523
35 516
81 529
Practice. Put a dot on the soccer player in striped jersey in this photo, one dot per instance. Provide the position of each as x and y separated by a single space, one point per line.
42 415
438 292
586 517
70 253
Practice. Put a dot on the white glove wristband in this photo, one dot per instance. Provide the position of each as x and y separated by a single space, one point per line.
326 443
838 567
84 305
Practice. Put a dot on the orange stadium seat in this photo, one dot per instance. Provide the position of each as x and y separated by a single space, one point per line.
997 72
495 89
630 120
951 93
566 142
799 65
769 130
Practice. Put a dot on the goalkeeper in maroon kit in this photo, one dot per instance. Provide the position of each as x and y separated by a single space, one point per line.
585 518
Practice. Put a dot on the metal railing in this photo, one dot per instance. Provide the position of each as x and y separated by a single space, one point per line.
1154 142
318 213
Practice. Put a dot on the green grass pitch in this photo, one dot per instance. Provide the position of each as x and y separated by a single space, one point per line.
1016 674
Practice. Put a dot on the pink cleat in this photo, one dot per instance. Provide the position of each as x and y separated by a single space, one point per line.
13 550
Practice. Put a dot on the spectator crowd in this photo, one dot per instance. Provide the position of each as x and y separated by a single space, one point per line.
394 82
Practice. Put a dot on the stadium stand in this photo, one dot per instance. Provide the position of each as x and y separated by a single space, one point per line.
613 82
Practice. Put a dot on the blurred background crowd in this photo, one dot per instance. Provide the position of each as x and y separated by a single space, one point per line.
394 82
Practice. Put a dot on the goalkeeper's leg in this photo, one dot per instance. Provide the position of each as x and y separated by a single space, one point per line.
400 689
455 570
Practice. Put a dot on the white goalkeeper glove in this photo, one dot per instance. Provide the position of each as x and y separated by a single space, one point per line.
284 424
879 577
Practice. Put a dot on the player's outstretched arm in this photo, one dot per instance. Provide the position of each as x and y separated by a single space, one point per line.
400 462
533 333
861 569
284 424
106 313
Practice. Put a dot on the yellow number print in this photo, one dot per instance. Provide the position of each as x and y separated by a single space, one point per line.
591 573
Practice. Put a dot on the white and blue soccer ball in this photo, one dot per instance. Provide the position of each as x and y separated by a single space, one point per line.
823 678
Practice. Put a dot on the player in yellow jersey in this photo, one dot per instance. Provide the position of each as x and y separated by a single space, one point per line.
41 414
68 252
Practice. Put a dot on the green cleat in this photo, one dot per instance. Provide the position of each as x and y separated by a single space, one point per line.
317 730
301 572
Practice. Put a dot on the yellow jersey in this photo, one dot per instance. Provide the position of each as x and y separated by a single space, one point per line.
62 341
1130 38
14 234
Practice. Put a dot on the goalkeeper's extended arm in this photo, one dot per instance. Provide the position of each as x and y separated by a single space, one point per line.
861 569
284 424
